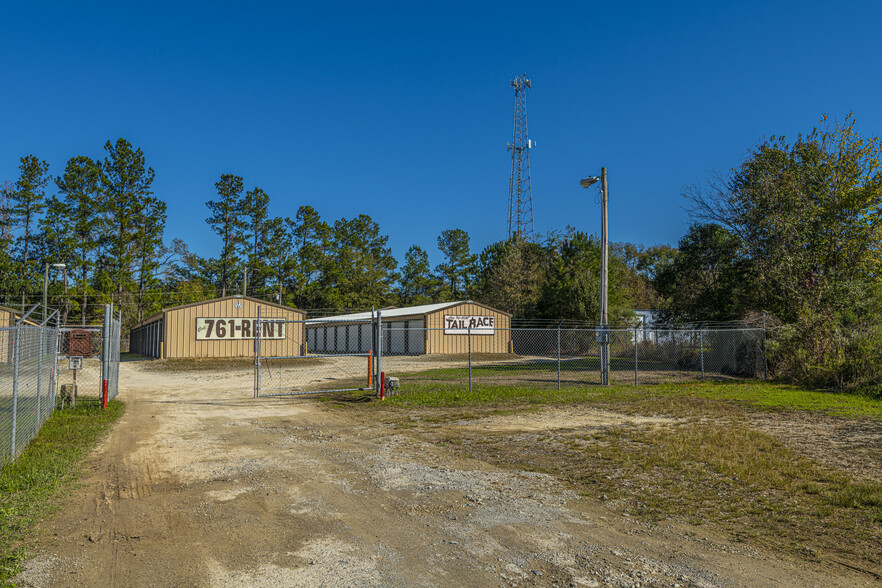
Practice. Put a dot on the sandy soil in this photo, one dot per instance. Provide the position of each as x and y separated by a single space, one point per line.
201 485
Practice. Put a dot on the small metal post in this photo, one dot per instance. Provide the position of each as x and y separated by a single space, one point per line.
701 349
636 382
470 357
558 356
15 356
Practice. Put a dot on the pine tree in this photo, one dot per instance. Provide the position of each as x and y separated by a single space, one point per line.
71 222
27 202
255 224
459 262
417 285
226 222
126 186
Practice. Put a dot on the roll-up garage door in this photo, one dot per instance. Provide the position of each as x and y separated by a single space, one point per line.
366 338
396 338
416 338
352 339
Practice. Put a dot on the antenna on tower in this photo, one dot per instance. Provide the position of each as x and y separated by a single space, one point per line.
520 190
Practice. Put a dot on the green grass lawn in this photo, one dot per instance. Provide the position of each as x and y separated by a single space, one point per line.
759 394
33 485
710 464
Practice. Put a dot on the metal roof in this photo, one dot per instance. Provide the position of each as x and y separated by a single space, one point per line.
390 313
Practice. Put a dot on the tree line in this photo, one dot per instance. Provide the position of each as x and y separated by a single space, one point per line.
793 233
101 218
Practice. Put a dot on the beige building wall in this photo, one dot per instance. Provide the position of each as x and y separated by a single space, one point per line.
179 329
7 319
439 342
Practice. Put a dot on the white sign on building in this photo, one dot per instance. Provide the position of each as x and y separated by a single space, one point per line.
230 329
460 325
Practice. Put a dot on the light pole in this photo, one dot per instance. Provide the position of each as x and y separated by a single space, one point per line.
604 265
46 283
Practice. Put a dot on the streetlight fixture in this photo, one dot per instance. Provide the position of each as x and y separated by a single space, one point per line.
46 283
604 265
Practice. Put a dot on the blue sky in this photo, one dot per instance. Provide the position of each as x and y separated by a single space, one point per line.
402 110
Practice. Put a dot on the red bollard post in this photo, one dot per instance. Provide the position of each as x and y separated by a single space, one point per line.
104 395
382 385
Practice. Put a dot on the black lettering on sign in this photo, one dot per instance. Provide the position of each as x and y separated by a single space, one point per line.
246 329
221 328
210 323
269 329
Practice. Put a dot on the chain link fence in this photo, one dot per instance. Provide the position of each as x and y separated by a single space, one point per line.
557 358
35 361
27 385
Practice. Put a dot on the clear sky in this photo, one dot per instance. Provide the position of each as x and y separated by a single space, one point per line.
402 110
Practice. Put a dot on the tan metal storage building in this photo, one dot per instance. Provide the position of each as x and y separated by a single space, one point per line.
415 330
8 318
223 327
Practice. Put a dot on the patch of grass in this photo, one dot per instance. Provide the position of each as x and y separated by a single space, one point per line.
31 486
757 394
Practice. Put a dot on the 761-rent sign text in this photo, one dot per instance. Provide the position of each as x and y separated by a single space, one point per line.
226 329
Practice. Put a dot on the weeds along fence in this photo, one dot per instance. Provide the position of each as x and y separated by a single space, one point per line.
36 359
416 358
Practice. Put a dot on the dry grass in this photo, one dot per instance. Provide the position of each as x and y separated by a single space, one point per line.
710 467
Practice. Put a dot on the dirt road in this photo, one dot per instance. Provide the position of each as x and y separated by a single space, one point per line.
200 485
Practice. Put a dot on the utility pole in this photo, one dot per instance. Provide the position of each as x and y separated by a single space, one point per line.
604 256
603 337
604 275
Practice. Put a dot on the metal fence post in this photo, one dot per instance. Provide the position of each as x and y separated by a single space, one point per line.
105 355
257 355
765 358
558 356
470 356
15 356
379 351
55 363
635 357
701 349
39 373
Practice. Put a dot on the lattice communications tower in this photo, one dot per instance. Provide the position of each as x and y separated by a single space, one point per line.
520 191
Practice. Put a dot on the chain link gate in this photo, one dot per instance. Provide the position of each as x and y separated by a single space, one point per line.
88 356
285 374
